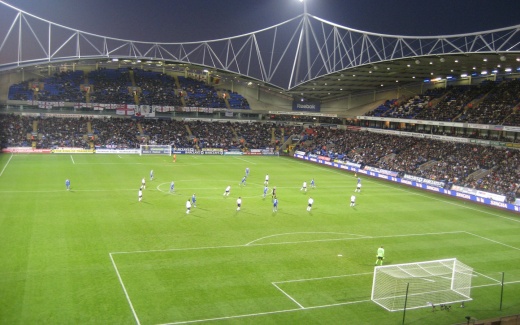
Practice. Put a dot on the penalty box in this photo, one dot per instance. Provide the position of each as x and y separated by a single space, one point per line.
237 281
185 285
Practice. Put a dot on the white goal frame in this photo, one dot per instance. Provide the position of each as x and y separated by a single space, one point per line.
421 284
155 149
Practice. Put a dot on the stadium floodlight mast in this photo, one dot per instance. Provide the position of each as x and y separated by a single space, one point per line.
304 6
303 39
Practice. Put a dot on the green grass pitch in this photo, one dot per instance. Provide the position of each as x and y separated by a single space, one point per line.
95 255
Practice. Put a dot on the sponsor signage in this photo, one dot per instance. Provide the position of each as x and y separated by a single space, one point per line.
153 150
25 150
118 151
306 106
184 150
72 150
381 171
212 151
424 180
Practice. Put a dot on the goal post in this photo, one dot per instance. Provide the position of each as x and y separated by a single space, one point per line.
430 283
155 149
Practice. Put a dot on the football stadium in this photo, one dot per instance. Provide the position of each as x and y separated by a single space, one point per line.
303 173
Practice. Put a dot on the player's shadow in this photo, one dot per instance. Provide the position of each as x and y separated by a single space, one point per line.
195 215
385 263
143 202
245 212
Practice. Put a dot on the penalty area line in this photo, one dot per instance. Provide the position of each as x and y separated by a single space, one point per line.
124 289
265 313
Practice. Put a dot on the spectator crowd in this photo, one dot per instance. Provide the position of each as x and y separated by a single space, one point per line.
486 168
126 86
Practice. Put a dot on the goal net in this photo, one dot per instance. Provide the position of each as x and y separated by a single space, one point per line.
430 283
155 150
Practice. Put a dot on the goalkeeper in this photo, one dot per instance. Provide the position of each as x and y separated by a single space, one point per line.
380 255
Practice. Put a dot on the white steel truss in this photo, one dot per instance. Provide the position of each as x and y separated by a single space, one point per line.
285 55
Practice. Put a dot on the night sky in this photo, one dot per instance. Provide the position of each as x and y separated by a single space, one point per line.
196 20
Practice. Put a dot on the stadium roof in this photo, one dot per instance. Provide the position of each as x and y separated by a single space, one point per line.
306 56
397 73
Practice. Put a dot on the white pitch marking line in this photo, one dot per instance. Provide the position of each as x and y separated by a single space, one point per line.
282 243
264 313
124 290
72 159
247 161
298 233
495 284
324 278
490 278
58 191
288 296
7 163
279 311
494 241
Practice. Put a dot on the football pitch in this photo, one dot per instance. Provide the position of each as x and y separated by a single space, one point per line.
96 255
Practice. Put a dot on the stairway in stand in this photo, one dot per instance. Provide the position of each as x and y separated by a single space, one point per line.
35 130
132 79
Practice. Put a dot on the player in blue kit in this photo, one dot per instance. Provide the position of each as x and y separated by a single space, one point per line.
67 184
194 200
247 171
243 182
172 187
265 191
151 175
275 204
313 185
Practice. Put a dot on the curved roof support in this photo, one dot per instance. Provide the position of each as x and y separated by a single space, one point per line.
310 46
